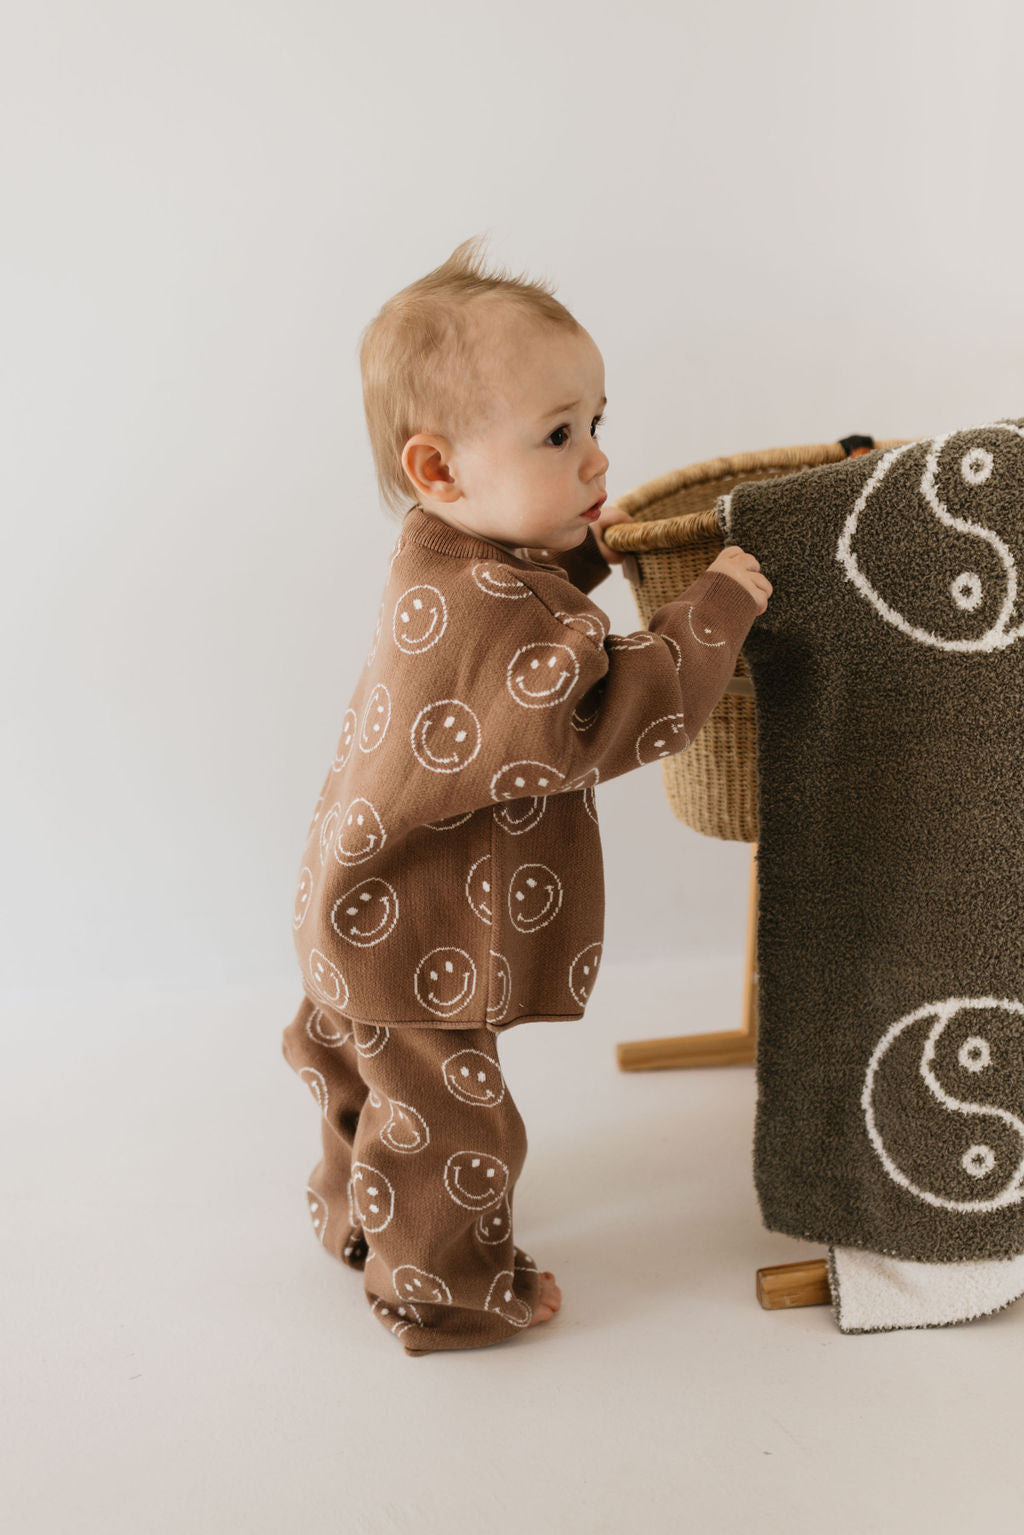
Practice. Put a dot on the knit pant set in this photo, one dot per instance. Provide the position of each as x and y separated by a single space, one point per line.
418 1194
451 887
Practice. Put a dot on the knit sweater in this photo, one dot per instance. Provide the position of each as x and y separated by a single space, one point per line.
452 873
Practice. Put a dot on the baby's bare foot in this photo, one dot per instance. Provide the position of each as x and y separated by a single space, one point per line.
549 1299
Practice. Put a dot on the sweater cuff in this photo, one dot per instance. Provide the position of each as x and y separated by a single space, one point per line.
733 604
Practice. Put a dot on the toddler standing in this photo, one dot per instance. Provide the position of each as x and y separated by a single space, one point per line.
451 883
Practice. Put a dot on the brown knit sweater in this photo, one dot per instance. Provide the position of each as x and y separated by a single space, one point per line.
452 873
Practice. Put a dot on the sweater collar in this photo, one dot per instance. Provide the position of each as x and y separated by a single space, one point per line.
430 532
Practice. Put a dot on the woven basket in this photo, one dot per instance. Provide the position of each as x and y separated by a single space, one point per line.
673 537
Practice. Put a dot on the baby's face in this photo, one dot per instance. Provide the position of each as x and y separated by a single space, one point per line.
527 478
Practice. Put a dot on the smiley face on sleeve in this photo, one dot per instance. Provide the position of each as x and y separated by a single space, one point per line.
420 619
360 835
376 718
662 738
446 736
542 675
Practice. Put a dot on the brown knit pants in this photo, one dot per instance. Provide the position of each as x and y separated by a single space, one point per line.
422 1147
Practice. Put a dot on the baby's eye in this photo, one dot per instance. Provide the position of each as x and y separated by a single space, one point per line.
597 422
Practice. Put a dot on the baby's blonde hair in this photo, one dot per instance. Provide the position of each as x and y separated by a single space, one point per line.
421 363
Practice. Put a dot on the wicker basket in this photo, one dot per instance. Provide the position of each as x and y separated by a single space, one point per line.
674 536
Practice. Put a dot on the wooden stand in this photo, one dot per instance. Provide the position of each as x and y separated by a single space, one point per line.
731 1048
784 1285
794 1284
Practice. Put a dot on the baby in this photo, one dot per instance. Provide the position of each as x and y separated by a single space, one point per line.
451 883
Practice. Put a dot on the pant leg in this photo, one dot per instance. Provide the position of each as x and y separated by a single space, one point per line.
318 1045
438 1150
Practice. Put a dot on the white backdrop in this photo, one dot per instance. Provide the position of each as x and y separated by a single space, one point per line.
780 224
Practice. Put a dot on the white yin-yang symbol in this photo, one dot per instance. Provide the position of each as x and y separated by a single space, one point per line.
943 1103
932 542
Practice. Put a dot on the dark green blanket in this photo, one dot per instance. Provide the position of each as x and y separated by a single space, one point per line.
889 684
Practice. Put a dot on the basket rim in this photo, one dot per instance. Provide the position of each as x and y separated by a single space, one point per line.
687 527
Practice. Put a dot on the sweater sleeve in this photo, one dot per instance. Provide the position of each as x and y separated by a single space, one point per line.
549 705
585 565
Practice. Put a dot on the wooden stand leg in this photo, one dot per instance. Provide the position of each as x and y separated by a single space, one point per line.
794 1284
735 1047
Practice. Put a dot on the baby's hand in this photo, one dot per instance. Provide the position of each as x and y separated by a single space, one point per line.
746 570
610 514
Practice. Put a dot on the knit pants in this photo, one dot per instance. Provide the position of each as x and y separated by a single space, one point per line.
422 1147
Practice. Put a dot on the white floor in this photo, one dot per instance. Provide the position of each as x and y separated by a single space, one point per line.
179 1355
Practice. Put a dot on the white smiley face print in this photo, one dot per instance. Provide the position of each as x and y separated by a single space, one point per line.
662 738
329 824
302 897
499 581
371 1198
415 1286
641 639
366 914
317 1084
523 787
478 889
398 1318
585 715
446 736
444 981
534 897
495 1226
501 983
593 624
501 1297
542 675
360 835
475 1180
420 619
376 718
370 1038
324 1031
378 626
327 980
349 726
587 781
317 1207
583 972
475 1078
450 824
406 1129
